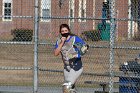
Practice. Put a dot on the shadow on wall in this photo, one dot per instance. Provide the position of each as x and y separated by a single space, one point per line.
92 35
22 34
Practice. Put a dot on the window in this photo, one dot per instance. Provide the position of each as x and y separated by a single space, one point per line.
82 10
71 9
45 10
105 10
7 10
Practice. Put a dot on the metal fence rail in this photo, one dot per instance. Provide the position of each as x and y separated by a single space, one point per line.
28 32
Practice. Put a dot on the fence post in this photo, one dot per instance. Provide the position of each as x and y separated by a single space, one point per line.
130 22
36 27
112 40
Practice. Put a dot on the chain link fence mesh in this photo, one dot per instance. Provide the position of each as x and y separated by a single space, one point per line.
111 64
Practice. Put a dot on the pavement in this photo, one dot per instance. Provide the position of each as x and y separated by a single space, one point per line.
47 89
24 89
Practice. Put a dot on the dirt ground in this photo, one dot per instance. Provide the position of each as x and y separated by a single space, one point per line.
96 63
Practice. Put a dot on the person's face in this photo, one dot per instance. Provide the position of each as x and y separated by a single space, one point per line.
64 30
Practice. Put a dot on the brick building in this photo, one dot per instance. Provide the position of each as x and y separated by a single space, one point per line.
17 14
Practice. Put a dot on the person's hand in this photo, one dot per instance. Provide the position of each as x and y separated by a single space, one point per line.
63 39
60 45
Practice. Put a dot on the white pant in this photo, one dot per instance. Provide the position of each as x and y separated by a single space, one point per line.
72 75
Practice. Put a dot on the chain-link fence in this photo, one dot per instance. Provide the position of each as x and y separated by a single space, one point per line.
28 32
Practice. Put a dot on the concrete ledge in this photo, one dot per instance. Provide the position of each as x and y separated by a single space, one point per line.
10 92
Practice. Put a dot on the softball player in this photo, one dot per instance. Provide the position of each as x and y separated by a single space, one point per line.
71 48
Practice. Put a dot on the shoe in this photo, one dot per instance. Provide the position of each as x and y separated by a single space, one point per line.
73 91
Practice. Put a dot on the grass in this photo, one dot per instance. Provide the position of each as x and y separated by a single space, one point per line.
95 61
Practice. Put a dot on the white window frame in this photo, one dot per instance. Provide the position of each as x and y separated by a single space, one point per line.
45 4
71 7
93 14
82 6
3 10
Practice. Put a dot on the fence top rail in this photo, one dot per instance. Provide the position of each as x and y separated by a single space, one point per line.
15 68
91 46
18 16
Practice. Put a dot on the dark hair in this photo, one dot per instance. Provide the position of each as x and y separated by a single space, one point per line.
66 26
62 26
